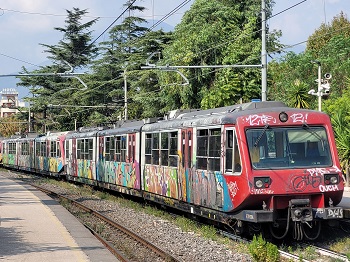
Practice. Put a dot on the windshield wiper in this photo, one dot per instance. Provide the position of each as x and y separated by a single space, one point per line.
307 128
261 135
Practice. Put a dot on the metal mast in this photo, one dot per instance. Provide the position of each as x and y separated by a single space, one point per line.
263 52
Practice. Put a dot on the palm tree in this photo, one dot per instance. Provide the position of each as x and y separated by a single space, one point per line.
342 137
298 95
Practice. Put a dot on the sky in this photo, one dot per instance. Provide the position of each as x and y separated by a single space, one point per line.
24 24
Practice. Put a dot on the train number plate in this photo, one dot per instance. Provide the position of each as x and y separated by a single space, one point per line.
334 212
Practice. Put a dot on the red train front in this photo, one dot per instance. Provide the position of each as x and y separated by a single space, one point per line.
290 169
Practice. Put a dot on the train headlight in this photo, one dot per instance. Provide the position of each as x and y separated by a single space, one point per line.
331 179
259 183
262 182
283 117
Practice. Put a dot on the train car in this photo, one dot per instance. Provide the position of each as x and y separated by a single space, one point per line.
25 153
81 155
49 153
10 152
252 166
252 163
118 158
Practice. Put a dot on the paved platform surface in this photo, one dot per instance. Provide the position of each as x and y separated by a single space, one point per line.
34 227
345 202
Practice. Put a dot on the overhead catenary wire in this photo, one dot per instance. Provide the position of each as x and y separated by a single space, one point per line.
240 36
172 12
161 20
169 14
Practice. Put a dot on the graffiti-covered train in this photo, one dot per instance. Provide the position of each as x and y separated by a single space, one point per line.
254 165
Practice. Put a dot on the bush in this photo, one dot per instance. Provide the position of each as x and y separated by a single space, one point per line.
262 251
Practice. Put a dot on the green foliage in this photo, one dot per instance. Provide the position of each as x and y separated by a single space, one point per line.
285 80
298 95
341 127
263 251
340 25
224 91
213 33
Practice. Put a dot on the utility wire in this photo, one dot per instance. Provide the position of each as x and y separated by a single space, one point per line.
113 22
288 8
170 14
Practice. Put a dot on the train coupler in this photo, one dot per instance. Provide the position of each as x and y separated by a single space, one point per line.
300 210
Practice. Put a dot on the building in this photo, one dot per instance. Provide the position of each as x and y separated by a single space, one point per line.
10 102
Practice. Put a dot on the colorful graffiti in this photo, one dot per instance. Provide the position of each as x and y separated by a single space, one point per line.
119 173
256 120
86 169
161 180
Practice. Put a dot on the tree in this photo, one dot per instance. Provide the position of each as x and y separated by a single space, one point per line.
128 47
74 50
341 129
75 47
285 82
12 125
215 33
298 95
340 25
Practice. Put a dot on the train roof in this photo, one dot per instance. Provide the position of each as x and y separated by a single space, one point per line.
215 116
52 135
124 127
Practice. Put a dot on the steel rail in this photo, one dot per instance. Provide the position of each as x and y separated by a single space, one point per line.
136 237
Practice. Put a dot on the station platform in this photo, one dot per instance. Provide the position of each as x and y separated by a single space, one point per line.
34 227
345 202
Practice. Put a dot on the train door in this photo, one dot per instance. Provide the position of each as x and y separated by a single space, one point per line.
31 154
67 158
185 162
131 147
73 157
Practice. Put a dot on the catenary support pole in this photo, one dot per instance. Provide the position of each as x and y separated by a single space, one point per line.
263 52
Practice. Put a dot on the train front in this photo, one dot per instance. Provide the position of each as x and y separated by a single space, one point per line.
292 169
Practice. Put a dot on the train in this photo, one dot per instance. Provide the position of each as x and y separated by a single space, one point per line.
256 166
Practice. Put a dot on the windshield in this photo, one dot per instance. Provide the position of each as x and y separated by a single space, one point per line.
276 148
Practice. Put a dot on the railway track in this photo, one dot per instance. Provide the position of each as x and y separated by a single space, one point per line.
122 242
331 254
327 254
95 229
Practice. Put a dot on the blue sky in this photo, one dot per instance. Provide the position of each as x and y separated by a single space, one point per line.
27 23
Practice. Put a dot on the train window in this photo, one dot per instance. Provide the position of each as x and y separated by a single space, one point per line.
110 148
164 149
120 148
155 149
232 156
85 149
123 149
117 149
12 148
67 148
79 149
168 149
58 149
208 149
91 149
25 148
53 149
37 148
289 147
173 149
43 149
148 149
